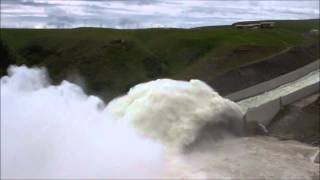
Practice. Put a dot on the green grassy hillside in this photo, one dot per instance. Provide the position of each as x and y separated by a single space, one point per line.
110 61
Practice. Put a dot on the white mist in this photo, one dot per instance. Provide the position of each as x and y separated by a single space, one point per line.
60 132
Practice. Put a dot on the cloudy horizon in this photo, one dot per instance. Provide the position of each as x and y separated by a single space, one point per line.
148 13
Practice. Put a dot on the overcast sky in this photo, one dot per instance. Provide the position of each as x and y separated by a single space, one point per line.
148 13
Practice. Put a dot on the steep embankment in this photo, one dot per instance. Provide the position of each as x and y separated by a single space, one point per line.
299 121
108 61
265 70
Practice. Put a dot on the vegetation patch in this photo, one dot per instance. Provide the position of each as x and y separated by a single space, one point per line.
109 61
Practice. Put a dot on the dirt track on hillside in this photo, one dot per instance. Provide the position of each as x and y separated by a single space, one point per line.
270 68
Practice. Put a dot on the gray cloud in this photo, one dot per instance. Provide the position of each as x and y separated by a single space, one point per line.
148 13
60 18
126 22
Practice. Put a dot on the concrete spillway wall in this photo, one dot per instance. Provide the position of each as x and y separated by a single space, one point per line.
264 111
273 83
290 98
267 111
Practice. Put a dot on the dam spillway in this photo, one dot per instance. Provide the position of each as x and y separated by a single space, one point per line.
283 90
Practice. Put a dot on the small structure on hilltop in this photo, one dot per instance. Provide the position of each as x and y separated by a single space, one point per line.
247 26
261 25
266 24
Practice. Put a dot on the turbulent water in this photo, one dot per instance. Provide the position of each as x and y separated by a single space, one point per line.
309 79
58 131
174 111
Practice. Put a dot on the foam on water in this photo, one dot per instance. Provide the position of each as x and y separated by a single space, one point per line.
174 111
60 132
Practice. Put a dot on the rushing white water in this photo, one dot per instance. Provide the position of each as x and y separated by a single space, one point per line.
283 90
174 111
248 158
60 132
